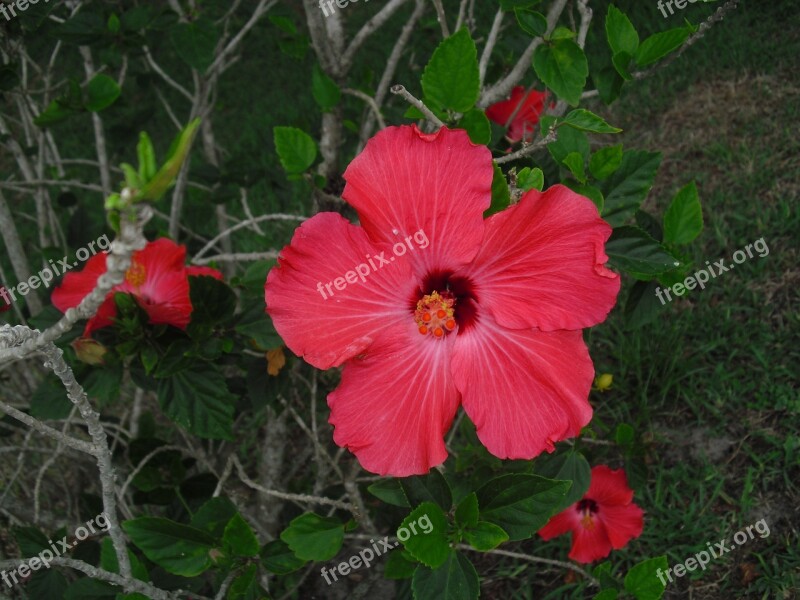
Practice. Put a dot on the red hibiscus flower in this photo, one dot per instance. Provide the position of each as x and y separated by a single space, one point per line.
157 279
428 306
604 518
524 106
5 300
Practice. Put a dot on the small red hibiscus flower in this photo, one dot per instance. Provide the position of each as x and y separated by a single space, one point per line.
430 307
522 110
157 279
5 300
604 518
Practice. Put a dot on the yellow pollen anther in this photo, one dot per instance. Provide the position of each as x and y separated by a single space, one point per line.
435 314
136 275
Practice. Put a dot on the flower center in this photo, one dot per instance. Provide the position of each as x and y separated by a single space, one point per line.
588 508
435 314
136 275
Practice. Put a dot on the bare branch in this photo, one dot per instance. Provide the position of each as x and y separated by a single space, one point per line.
367 30
402 91
552 136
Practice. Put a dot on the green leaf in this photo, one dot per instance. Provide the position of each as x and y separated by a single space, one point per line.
660 44
195 42
165 177
432 487
239 537
588 121
296 149
467 510
609 594
46 585
390 491
642 580
278 558
632 249
148 167
324 89
50 401
622 63
456 579
620 32
114 24
256 325
430 548
477 125
86 588
213 301
683 220
609 83
569 140
214 515
56 112
574 162
642 305
628 187
312 537
569 466
562 33
108 561
485 536
101 92
178 549
605 162
501 196
562 66
198 400
591 192
399 566
530 179
531 22
521 504
245 586
451 80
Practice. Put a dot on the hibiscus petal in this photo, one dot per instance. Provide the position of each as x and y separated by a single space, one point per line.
561 523
203 272
500 112
161 260
541 263
395 404
524 390
623 523
590 543
76 285
326 325
609 487
437 186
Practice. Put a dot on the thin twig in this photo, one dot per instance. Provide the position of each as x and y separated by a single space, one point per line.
537 559
402 91
552 136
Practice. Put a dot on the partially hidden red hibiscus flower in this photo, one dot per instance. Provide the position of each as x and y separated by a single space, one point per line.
451 309
158 280
604 518
523 110
5 300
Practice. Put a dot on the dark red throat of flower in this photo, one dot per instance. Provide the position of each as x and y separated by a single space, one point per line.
587 508
443 303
